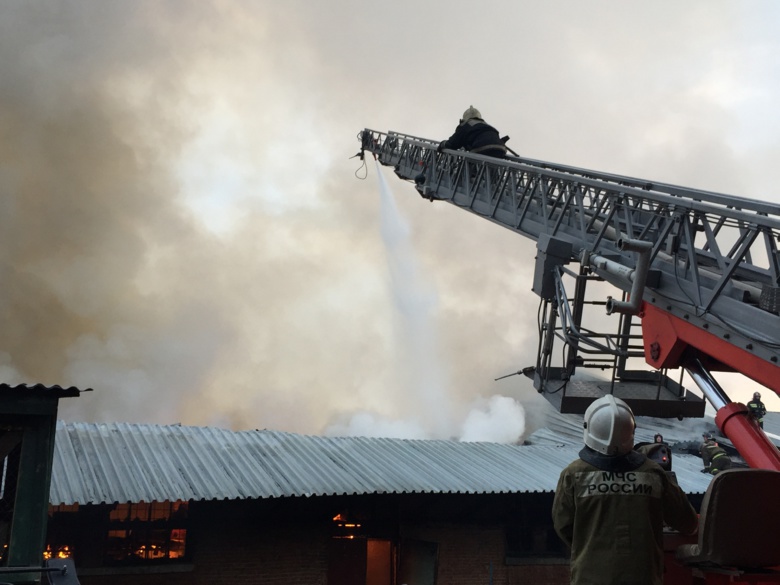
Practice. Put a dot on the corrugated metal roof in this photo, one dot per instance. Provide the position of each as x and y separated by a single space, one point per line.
566 429
55 391
558 428
106 463
772 427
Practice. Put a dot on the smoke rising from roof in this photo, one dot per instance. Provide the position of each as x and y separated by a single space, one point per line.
182 230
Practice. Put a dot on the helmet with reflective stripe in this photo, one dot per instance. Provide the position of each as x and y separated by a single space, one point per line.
609 426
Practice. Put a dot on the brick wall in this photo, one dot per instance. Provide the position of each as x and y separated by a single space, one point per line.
288 542
473 554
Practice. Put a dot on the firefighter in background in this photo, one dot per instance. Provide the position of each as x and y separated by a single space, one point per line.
658 451
757 408
611 504
475 135
713 455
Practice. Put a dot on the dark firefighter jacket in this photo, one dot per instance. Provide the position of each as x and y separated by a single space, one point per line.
611 510
478 137
714 457
757 409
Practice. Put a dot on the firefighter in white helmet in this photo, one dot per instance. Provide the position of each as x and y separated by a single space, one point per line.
611 503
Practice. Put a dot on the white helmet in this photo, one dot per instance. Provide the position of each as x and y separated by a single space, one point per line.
472 112
609 426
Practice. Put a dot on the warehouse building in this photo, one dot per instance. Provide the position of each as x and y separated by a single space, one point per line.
148 504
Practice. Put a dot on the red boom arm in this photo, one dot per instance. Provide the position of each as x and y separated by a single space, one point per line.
666 340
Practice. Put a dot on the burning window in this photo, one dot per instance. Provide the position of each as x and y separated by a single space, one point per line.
61 551
345 527
60 536
118 535
147 532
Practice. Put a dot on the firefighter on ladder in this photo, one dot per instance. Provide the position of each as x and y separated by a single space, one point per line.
713 455
475 135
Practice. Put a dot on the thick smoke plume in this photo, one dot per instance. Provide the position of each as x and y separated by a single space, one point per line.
176 235
183 232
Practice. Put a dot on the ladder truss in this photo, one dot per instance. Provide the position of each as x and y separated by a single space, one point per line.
714 268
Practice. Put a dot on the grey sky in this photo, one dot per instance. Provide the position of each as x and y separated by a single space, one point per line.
183 231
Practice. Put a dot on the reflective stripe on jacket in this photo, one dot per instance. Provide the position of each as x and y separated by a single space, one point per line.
757 409
710 451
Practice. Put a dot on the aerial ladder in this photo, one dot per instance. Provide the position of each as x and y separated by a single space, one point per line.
696 273
697 281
